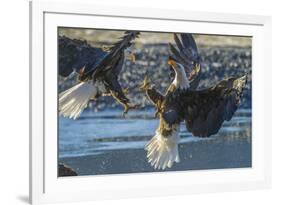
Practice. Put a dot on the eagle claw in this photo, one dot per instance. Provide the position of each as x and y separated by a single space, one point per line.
128 107
156 113
145 85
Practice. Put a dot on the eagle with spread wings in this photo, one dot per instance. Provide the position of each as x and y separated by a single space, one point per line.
203 111
97 70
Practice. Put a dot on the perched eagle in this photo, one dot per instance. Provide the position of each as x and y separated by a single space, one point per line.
97 70
203 111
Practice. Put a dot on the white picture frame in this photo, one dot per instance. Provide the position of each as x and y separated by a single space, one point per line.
46 187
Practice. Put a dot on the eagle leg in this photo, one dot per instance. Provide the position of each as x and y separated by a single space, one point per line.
145 85
126 91
128 107
156 114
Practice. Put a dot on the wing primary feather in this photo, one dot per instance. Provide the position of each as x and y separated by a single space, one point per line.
189 42
206 110
178 42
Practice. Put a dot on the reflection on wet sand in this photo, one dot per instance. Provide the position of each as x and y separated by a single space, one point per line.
106 143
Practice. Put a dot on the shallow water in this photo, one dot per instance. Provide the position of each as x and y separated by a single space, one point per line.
96 142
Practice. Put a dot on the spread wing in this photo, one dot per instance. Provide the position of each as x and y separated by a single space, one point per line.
113 56
75 54
187 54
204 111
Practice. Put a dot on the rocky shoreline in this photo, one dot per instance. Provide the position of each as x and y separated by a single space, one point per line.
151 60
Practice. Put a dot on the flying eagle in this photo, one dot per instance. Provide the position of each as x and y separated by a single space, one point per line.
97 70
203 111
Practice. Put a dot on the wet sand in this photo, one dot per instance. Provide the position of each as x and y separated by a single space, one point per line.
215 153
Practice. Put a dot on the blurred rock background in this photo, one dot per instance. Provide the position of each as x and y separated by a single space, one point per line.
222 57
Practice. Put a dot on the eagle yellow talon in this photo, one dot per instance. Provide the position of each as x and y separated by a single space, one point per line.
156 114
145 85
126 91
128 107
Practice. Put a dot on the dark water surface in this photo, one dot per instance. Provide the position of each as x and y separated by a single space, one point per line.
106 143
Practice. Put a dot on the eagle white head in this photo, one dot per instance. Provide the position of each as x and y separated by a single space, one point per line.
181 80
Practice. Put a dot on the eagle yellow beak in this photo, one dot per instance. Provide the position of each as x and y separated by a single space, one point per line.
172 62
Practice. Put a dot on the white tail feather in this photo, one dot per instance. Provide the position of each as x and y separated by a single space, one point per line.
74 100
162 151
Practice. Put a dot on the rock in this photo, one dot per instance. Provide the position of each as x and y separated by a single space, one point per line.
151 60
66 171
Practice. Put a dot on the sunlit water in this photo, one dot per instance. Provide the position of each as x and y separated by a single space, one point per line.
90 143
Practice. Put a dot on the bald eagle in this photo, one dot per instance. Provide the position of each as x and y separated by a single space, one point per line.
97 71
203 111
